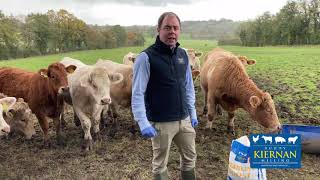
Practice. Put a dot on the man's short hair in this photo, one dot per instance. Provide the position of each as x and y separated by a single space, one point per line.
161 18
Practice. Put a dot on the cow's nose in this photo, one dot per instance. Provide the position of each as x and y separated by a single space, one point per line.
65 88
6 129
106 101
279 128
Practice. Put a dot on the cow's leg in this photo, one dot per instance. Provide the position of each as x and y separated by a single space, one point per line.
76 119
96 121
86 125
57 124
205 107
62 119
211 111
44 126
115 115
105 115
231 122
133 128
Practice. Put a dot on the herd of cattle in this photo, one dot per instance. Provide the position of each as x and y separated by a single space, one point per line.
96 91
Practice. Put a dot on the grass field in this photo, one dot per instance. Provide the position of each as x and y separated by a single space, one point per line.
291 74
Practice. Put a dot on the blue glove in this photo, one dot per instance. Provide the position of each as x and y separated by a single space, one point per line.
194 122
149 132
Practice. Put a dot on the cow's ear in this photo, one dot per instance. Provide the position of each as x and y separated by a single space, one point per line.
198 54
71 68
254 101
115 77
43 73
7 103
251 62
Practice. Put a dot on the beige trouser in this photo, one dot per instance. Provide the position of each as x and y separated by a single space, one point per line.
183 135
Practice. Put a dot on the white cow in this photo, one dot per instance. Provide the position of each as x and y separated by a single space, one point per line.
121 92
90 92
67 61
5 105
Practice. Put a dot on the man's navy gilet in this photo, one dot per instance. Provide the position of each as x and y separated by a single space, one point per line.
165 97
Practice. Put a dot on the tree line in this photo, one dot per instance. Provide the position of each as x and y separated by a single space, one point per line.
298 22
56 32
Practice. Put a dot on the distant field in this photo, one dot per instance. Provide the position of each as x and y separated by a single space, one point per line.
291 74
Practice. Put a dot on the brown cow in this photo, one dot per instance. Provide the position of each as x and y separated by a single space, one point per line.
39 90
224 81
19 118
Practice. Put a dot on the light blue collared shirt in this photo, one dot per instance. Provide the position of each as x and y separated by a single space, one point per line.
141 75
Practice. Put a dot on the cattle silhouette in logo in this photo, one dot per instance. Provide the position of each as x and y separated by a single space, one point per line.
267 139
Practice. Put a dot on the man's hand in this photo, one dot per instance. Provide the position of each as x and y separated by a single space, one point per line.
149 132
194 122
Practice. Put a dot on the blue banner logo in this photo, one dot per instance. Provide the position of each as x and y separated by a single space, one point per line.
275 150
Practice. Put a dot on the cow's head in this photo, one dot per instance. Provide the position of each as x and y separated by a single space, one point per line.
20 119
193 56
264 112
57 76
131 56
194 61
245 61
98 82
5 105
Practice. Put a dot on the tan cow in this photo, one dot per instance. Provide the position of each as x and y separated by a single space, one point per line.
121 92
129 59
224 81
194 61
90 92
19 117
244 60
5 104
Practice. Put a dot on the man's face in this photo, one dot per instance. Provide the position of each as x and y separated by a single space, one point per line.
169 31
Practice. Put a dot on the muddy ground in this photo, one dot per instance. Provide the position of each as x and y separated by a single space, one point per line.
127 156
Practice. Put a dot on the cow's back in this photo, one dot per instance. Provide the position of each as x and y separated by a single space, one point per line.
221 70
15 82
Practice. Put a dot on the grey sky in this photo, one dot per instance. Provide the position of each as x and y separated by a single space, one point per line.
145 12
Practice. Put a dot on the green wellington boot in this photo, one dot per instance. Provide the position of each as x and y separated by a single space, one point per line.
188 175
162 176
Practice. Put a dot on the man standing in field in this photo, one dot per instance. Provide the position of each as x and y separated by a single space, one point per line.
163 99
